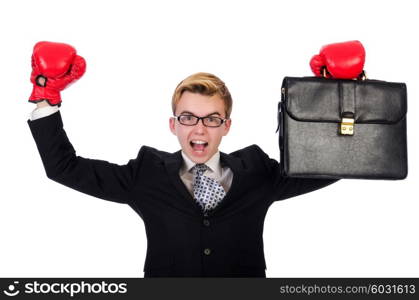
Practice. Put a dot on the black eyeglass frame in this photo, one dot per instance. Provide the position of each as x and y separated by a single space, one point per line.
200 118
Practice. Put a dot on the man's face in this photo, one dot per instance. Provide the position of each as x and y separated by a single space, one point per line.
192 137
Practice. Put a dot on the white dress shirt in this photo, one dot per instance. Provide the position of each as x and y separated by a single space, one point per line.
41 112
222 174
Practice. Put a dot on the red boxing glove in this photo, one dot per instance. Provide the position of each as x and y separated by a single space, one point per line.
54 67
341 60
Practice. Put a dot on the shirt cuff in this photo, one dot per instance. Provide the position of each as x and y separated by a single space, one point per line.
42 112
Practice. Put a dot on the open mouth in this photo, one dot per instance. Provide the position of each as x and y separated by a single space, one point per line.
198 145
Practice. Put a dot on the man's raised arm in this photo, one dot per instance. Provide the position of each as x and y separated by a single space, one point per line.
54 67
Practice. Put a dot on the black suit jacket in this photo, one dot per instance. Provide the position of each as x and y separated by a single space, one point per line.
181 240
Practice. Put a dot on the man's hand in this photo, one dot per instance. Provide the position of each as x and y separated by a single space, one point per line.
42 104
54 67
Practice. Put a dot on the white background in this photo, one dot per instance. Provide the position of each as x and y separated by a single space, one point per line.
137 52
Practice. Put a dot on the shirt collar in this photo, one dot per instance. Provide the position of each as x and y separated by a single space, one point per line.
213 163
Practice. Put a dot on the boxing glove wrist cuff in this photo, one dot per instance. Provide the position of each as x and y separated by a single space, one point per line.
40 93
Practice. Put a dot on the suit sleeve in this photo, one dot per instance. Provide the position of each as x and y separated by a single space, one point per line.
97 178
287 187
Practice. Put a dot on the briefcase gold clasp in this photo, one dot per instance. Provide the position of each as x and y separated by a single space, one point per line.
347 126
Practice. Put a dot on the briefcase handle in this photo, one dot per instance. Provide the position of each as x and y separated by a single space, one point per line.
362 76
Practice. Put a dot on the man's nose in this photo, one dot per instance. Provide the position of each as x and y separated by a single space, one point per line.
200 127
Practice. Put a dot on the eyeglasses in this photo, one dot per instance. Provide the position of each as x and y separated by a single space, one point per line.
191 120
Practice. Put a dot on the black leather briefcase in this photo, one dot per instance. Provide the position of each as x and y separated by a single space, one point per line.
333 128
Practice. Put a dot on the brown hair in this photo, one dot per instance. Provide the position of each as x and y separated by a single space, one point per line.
204 84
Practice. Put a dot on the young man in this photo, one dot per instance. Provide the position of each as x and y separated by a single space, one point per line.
203 209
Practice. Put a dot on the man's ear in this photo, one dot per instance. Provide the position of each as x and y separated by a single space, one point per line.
172 125
227 126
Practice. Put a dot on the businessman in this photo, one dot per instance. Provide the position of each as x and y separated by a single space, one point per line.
203 209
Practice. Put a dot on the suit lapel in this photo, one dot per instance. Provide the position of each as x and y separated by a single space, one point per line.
173 164
236 167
